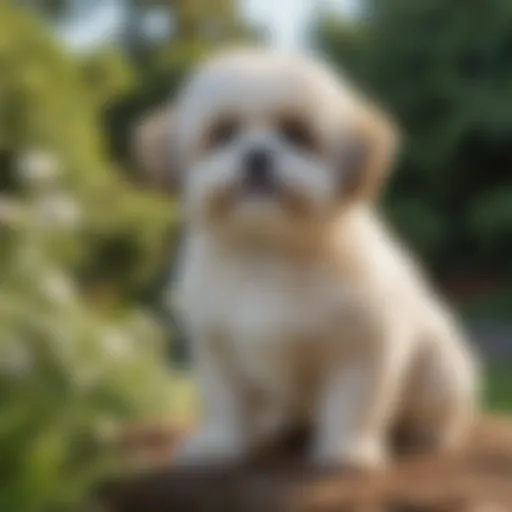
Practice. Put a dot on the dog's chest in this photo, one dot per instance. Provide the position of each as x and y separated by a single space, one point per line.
269 308
274 318
261 301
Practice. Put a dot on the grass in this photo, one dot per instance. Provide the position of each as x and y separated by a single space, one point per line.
496 305
183 406
497 393
498 389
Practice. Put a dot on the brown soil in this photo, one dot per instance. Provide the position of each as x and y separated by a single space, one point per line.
479 479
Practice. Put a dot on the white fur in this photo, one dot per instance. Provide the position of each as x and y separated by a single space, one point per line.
325 319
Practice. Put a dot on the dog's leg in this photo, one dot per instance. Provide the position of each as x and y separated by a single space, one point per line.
222 433
358 405
443 393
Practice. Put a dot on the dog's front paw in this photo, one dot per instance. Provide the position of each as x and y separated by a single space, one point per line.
209 447
362 456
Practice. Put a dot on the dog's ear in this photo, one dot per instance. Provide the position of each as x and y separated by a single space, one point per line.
154 150
368 152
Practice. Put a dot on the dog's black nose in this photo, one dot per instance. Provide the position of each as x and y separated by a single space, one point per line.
258 161
258 169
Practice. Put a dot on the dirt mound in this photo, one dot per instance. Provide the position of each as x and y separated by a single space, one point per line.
479 479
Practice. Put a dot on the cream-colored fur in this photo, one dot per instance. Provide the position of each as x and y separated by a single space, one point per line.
310 315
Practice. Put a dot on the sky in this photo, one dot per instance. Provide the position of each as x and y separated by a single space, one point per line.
286 20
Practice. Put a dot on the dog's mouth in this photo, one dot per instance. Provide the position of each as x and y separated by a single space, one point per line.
259 198
260 190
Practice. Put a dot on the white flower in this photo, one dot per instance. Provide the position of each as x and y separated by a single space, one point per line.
116 343
10 211
58 288
107 429
59 210
37 166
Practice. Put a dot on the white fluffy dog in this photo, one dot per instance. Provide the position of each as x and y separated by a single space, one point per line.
300 306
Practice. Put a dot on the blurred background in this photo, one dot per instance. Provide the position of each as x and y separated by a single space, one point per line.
88 343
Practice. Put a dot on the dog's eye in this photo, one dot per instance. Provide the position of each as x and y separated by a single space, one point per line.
297 133
223 132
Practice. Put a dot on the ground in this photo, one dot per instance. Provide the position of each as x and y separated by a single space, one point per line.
479 479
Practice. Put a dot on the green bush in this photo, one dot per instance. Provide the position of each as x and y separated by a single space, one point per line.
78 354
444 71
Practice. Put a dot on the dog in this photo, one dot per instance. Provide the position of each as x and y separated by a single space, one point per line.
301 306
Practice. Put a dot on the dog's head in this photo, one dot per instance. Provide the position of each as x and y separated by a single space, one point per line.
268 143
